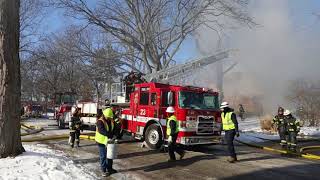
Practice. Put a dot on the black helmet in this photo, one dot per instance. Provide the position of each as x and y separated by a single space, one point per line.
280 110
107 102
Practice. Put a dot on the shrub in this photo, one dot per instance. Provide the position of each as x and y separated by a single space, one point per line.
266 123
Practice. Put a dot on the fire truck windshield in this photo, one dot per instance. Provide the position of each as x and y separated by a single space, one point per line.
195 100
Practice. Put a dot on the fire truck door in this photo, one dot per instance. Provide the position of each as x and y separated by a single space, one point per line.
134 111
154 105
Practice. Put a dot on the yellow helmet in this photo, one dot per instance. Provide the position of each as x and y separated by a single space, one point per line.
108 113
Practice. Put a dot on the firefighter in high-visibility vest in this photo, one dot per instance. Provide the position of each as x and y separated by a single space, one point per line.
172 133
230 127
292 129
279 121
104 135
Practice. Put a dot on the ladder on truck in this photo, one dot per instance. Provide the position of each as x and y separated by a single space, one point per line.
185 69
118 90
118 93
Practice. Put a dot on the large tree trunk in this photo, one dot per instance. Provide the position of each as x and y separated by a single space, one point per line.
10 90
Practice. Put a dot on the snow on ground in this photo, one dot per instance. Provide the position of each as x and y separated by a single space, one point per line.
250 124
244 137
49 125
40 162
310 131
40 122
251 131
256 137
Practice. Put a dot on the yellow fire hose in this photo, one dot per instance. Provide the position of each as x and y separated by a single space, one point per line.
313 156
87 136
37 129
304 155
90 136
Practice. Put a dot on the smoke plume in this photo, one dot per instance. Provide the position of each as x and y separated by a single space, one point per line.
270 55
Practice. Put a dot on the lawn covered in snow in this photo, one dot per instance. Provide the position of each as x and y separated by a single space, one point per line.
40 162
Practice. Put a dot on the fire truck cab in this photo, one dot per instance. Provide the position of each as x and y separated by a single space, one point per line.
63 104
196 109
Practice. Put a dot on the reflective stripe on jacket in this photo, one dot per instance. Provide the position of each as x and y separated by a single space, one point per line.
293 125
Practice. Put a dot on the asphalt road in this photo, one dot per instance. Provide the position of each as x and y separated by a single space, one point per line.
206 162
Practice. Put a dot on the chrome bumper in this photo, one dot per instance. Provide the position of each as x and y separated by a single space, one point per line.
195 140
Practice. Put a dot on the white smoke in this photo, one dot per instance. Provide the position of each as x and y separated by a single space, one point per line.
271 54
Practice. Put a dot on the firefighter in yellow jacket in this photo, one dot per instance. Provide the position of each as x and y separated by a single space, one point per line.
105 134
230 127
172 133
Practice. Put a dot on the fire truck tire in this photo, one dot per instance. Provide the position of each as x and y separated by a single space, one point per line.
153 136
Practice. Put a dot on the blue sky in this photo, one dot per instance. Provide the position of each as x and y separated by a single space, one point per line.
300 13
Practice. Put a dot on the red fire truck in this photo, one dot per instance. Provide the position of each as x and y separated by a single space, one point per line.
143 105
197 111
63 103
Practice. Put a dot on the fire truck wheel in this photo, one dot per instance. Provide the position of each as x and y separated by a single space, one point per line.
153 136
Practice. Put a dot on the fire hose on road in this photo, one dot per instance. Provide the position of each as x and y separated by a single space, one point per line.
37 129
90 136
87 136
32 129
303 155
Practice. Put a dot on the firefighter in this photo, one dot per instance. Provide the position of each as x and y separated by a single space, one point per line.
172 133
230 127
292 129
117 121
129 80
104 135
279 121
75 125
241 112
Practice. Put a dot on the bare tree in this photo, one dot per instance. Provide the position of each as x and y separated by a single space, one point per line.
305 96
32 12
10 140
155 29
95 56
75 61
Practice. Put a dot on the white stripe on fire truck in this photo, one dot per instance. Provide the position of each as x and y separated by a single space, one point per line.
144 119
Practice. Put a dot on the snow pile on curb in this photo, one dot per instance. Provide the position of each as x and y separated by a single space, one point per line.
310 131
244 137
40 162
250 125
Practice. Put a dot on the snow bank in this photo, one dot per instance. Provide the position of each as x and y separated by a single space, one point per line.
40 162
250 125
310 131
249 139
253 125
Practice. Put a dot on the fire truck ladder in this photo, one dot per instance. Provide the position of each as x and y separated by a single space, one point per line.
171 74
186 69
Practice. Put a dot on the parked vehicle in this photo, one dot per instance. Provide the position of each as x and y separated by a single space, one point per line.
49 114
63 104
196 109
144 116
